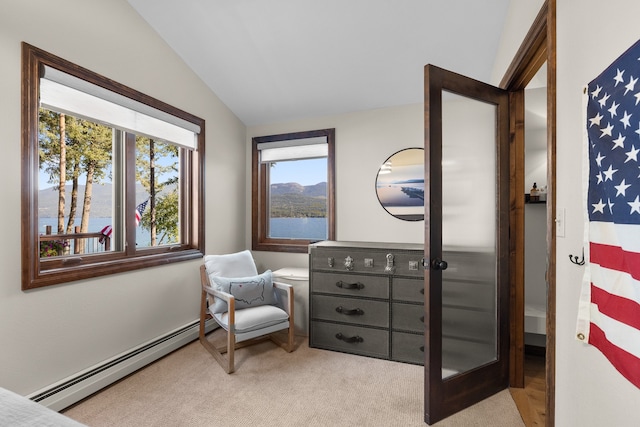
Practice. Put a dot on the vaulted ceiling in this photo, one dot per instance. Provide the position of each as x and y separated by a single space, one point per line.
277 60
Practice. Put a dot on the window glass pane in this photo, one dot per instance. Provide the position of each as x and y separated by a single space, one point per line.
157 193
85 223
74 185
298 199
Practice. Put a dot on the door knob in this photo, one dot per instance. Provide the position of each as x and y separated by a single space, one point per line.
438 264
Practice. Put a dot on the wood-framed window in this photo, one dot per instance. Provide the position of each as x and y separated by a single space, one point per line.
112 179
293 190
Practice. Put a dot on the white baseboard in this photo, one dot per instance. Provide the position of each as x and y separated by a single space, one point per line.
76 387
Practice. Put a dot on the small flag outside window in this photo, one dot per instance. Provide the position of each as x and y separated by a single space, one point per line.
609 308
140 210
108 230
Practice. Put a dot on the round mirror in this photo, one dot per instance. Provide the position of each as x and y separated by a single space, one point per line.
400 184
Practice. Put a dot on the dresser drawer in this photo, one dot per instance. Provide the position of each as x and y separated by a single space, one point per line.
475 267
351 310
468 324
467 294
407 348
408 317
350 339
350 284
411 290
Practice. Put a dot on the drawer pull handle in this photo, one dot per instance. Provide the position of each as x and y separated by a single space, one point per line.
422 291
422 319
351 312
422 348
344 285
353 339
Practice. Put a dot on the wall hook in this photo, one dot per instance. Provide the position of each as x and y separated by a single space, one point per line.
574 259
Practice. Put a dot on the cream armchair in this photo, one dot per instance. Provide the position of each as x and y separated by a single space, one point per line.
244 303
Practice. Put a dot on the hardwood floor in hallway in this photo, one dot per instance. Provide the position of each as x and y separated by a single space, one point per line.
530 400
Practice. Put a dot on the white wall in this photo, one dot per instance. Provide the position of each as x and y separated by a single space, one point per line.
535 256
535 215
520 16
364 140
590 35
49 334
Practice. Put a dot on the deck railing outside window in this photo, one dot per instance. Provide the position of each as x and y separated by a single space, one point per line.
75 243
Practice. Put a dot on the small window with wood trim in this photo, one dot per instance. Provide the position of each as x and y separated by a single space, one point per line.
293 190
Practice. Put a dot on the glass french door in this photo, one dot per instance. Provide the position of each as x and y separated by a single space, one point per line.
466 242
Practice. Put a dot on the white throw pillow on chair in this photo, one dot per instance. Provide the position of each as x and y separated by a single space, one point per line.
239 264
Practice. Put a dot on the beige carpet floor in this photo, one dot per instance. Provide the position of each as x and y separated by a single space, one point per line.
309 387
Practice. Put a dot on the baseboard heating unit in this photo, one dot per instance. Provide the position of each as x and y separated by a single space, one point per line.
75 388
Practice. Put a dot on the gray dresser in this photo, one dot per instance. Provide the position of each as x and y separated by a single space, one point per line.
367 299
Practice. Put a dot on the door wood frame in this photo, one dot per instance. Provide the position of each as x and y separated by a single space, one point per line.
485 377
538 47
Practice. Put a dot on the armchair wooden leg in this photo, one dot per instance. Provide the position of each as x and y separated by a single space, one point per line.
222 361
290 339
288 343
231 346
227 363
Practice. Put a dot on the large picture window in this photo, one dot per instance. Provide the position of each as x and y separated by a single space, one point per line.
112 178
293 190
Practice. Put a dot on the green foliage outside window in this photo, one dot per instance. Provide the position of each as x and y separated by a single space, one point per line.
49 248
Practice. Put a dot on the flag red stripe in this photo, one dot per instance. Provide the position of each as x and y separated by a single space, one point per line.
626 363
622 309
615 258
107 230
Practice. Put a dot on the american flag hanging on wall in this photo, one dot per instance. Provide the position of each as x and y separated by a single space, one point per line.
609 310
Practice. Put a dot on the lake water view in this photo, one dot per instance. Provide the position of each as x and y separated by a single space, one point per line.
299 228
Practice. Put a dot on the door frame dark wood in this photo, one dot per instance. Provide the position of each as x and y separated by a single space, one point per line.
538 47
444 397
